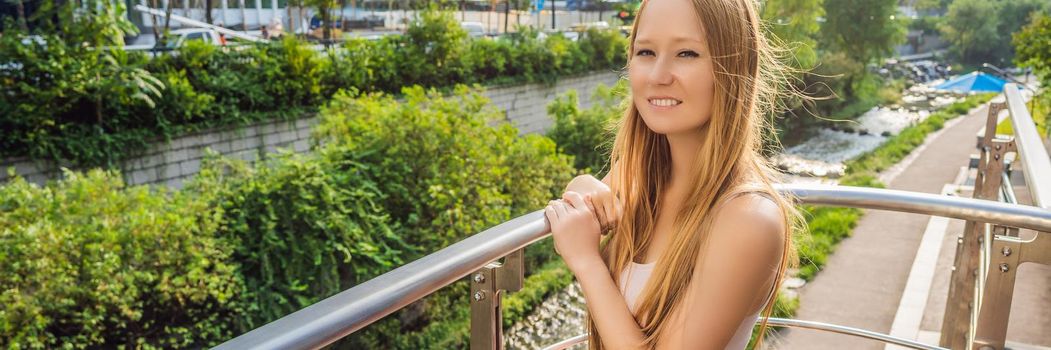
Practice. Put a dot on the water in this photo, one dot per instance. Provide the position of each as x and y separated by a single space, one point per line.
559 317
823 154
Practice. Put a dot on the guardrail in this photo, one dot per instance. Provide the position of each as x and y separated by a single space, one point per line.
990 240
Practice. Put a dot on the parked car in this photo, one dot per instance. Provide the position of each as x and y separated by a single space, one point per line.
474 29
179 37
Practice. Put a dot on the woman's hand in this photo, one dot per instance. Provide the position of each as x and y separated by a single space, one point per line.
576 230
599 198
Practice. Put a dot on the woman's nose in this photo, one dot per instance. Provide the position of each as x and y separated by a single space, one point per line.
661 74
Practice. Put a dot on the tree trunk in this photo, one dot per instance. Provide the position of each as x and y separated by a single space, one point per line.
600 8
21 16
208 11
326 22
288 7
154 20
244 20
168 16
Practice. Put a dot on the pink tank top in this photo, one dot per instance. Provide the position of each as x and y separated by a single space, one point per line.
634 278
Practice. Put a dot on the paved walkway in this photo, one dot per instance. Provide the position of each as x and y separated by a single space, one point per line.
862 283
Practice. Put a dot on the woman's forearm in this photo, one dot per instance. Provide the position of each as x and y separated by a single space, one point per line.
607 307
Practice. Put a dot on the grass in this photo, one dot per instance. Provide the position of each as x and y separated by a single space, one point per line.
1039 107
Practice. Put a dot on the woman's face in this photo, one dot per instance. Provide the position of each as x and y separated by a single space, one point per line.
672 80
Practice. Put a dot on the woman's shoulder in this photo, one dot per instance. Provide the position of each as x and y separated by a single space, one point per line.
751 208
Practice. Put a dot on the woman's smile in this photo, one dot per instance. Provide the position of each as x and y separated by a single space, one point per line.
663 103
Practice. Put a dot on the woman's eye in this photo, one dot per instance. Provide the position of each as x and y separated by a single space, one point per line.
644 52
689 53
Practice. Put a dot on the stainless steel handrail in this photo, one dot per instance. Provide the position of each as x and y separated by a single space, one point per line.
785 322
348 311
339 315
1031 149
1013 215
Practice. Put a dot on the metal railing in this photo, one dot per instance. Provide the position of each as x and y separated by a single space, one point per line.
988 220
785 322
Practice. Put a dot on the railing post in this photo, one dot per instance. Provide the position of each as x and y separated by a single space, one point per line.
487 287
960 308
998 293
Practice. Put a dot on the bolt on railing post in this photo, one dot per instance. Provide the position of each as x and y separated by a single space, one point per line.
487 287
995 306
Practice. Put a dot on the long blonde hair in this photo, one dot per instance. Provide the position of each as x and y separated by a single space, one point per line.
748 78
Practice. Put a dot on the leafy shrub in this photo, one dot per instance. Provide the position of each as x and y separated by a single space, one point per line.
444 171
61 101
90 121
242 244
389 182
432 47
604 48
88 262
302 229
587 135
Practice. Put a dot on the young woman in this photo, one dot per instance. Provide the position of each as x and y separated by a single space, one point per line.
699 240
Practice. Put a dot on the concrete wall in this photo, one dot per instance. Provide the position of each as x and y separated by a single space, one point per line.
172 163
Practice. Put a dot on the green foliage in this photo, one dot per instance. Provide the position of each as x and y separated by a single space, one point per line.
89 263
864 36
242 244
70 102
926 24
1038 109
433 44
444 174
1032 47
841 87
826 227
587 135
794 23
303 229
970 27
604 49
980 31
784 307
89 107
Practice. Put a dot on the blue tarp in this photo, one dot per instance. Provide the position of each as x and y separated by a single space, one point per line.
974 81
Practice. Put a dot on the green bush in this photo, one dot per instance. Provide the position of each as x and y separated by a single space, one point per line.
89 107
303 230
89 263
389 183
242 245
70 102
587 135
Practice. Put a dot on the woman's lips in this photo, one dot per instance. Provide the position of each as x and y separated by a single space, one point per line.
663 102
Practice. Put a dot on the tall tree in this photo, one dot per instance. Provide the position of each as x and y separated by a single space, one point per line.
794 23
864 30
1033 47
1013 15
971 27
